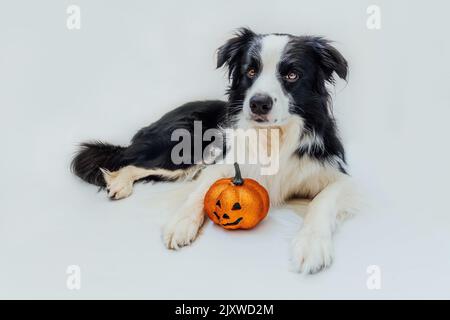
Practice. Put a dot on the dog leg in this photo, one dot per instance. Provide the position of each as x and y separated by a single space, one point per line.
183 226
119 184
299 205
312 247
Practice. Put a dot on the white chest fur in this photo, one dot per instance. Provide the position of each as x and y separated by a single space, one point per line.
291 175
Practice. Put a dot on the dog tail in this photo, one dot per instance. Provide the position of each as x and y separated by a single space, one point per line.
94 157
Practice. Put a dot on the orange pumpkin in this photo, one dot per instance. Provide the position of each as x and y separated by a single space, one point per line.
236 203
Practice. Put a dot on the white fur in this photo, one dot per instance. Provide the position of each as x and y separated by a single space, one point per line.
267 82
119 184
330 190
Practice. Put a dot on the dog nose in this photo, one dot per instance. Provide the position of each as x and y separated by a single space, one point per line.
261 104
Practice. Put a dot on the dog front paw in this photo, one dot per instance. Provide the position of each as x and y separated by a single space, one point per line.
181 232
311 251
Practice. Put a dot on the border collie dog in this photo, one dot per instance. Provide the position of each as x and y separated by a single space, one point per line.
277 81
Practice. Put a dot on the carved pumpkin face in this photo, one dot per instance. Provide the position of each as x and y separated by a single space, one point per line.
236 203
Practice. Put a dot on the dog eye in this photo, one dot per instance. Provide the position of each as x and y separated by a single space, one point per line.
291 76
251 73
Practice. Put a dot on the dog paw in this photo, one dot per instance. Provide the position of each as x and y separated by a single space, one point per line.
311 252
119 189
181 232
117 186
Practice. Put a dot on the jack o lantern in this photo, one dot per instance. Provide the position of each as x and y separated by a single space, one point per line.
236 203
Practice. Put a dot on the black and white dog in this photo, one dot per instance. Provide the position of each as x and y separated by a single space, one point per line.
277 81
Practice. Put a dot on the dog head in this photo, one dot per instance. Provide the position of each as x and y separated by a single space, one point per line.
276 76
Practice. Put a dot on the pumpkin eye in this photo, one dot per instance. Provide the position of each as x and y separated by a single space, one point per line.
215 213
218 203
251 73
292 76
236 206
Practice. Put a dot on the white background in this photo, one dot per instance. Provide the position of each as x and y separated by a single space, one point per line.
131 62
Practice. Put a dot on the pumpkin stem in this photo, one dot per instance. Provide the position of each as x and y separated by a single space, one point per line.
237 180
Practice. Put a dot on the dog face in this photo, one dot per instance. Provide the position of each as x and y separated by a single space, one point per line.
276 76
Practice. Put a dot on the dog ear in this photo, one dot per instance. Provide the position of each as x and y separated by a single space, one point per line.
231 51
330 58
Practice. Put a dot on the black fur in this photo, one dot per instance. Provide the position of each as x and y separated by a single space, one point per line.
95 155
313 57
151 146
316 60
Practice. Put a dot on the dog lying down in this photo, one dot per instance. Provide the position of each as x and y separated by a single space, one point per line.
278 87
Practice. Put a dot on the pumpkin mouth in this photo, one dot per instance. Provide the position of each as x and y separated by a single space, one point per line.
233 223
